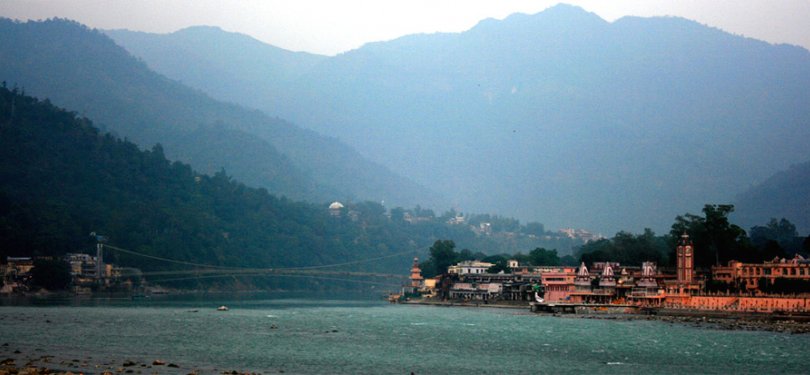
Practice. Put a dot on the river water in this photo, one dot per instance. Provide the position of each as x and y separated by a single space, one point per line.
322 335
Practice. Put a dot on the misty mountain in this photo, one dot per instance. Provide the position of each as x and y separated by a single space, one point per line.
784 195
560 117
236 67
86 71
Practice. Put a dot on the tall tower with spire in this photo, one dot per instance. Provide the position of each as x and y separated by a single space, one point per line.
686 260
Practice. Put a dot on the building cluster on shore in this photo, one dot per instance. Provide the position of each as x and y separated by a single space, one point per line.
87 273
737 287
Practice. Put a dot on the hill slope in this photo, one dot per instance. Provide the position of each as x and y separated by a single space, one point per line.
61 178
784 195
85 70
562 117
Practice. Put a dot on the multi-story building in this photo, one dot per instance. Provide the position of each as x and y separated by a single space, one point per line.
747 276
558 282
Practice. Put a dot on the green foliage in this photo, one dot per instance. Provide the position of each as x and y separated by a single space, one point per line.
543 257
569 260
50 274
534 228
775 234
806 245
499 266
626 248
715 239
498 223
443 255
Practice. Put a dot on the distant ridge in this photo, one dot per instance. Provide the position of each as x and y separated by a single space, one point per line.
85 70
786 194
562 117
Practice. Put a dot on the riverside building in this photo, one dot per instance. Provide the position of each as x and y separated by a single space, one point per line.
753 287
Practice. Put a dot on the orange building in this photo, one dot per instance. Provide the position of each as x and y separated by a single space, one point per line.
558 282
748 275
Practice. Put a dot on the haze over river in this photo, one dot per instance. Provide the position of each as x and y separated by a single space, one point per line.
325 335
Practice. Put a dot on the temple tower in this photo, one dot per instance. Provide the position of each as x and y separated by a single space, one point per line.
582 282
417 281
608 278
686 260
648 271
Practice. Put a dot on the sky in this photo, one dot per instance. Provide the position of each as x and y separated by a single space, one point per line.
331 27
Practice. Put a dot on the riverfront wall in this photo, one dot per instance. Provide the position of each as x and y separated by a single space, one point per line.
745 304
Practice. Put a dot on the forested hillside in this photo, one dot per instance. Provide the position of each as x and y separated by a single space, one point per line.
86 71
61 179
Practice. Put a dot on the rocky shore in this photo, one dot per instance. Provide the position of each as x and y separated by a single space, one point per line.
17 361
696 318
725 323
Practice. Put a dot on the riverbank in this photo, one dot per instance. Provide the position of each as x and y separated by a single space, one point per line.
697 318
33 361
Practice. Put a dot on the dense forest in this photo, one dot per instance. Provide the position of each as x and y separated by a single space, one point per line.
61 179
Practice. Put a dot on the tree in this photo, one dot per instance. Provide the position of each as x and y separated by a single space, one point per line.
499 266
715 239
783 232
465 254
398 214
443 255
569 260
806 245
542 257
626 248
534 228
50 274
499 262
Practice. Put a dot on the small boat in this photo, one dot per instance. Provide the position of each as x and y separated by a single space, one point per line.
222 308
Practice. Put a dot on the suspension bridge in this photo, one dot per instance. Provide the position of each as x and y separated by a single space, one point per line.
324 272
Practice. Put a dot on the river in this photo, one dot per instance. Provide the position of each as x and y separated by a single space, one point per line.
320 334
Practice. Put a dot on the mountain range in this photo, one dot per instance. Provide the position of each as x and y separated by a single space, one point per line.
559 117
84 70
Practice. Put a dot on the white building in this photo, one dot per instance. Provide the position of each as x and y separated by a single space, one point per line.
469 267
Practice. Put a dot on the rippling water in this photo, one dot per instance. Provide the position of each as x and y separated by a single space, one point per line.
325 336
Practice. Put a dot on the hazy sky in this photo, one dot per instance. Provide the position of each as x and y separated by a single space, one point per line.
330 27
